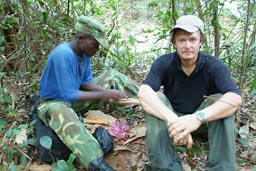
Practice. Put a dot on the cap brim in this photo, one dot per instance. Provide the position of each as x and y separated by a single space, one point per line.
103 42
188 28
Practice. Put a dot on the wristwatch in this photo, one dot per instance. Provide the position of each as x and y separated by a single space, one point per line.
201 116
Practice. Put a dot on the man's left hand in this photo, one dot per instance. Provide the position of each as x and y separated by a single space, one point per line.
182 127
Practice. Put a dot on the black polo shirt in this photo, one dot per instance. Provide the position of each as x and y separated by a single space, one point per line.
186 93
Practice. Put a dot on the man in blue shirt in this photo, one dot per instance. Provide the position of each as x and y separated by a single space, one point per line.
67 79
197 90
67 75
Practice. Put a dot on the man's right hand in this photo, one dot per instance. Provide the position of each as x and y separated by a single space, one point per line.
114 94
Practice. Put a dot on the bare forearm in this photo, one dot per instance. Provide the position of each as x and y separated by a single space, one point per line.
92 92
153 105
224 107
90 87
92 95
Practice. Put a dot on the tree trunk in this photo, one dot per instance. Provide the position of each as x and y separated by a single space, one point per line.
216 28
244 44
200 15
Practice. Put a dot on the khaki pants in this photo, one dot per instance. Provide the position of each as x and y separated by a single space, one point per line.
221 134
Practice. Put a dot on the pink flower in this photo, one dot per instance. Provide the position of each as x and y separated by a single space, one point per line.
118 127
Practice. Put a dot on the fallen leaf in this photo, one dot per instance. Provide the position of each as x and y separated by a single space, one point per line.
244 130
43 167
134 158
253 122
244 154
22 136
98 117
138 131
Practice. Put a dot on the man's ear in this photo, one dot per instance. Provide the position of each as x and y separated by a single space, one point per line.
174 45
201 42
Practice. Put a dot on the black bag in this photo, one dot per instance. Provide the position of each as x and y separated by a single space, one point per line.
104 139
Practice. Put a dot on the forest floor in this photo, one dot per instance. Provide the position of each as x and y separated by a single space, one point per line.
131 156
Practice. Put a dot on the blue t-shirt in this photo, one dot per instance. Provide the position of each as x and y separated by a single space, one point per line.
184 92
64 73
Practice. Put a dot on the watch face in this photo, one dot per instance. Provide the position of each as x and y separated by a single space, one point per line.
201 116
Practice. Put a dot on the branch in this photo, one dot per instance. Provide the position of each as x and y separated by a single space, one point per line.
244 43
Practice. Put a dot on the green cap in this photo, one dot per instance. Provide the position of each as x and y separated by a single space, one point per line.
92 27
189 23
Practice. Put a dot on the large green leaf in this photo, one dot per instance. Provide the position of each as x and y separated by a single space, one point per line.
46 142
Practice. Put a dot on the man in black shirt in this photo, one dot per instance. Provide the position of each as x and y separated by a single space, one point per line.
197 90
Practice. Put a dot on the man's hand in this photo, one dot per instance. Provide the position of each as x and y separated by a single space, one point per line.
114 94
186 141
180 129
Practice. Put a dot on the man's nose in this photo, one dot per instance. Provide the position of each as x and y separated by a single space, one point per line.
187 44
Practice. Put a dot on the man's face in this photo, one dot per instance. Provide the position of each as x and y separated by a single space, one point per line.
187 44
88 45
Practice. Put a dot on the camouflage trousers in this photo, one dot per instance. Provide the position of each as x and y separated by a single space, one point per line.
63 119
221 135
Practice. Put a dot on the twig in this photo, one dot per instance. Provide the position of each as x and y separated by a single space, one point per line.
20 151
209 97
14 123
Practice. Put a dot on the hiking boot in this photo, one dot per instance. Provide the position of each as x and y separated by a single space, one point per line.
99 164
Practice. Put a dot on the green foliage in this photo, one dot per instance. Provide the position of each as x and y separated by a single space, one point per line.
1 42
14 131
191 152
253 85
126 112
253 55
62 165
13 167
9 148
11 154
240 161
5 100
243 142
121 57
2 124
247 140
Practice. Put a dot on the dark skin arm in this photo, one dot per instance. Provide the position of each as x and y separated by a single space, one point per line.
93 92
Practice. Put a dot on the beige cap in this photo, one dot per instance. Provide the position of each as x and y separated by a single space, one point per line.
189 23
90 26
